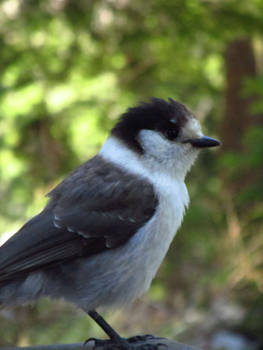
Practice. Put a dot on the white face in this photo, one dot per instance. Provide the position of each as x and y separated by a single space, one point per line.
191 130
175 157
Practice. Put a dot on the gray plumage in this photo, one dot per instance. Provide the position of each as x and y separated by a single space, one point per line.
107 227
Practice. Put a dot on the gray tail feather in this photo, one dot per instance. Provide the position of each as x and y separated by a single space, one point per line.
23 290
7 290
11 293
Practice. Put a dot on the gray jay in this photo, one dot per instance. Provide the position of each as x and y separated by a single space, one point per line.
107 227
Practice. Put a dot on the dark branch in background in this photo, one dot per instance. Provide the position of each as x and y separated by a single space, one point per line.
171 345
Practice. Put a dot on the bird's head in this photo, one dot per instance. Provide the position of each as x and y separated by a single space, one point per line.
163 131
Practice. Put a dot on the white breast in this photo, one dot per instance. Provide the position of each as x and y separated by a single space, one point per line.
140 259
154 239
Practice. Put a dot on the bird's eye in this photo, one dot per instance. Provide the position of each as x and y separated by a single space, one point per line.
172 134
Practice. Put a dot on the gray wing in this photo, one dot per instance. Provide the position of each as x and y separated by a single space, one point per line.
96 208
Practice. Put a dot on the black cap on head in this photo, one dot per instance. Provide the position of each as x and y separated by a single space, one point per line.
167 117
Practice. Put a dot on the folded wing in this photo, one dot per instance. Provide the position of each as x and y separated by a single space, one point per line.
96 208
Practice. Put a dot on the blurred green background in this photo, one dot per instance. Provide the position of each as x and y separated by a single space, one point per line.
68 69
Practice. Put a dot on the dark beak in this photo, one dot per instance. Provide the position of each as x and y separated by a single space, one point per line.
203 142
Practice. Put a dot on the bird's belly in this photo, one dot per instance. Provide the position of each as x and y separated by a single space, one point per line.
119 276
153 242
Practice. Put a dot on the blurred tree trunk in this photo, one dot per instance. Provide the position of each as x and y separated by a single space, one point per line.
239 176
239 64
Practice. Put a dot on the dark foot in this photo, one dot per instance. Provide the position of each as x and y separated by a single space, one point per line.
142 338
144 342
108 344
139 342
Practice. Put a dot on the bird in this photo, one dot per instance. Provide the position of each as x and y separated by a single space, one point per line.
106 228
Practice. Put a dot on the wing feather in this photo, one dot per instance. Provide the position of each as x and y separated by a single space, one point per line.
96 208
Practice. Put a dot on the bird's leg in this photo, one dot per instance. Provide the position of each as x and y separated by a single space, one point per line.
116 342
104 325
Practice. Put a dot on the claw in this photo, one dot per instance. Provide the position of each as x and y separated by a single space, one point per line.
138 342
108 344
142 338
89 340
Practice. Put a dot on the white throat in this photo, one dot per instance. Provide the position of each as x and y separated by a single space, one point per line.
165 161
116 152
